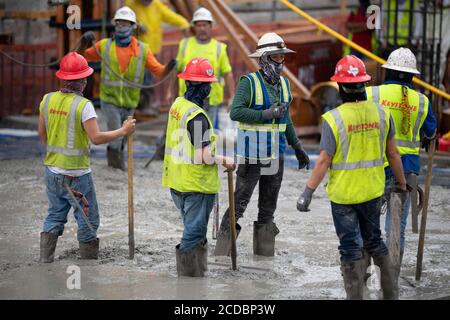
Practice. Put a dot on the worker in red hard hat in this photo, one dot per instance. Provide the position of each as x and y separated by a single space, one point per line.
190 165
67 125
356 138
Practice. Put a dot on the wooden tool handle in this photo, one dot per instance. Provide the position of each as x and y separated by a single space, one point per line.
130 195
232 219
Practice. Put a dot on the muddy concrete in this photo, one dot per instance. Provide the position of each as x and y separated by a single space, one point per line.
305 266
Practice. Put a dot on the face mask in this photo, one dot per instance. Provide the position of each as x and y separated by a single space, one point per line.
271 70
197 93
123 35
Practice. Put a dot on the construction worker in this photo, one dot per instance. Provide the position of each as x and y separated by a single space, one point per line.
356 137
123 62
261 107
413 119
203 45
67 122
190 165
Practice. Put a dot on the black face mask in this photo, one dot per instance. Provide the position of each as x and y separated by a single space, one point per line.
197 92
352 92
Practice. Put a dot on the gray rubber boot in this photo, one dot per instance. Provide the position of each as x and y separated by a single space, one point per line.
203 255
264 238
188 263
352 272
389 277
223 242
89 250
48 246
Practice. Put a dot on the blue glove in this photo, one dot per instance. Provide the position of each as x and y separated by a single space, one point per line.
305 199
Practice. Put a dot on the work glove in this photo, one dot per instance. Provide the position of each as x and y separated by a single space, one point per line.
275 111
305 199
397 188
427 141
87 38
301 155
170 66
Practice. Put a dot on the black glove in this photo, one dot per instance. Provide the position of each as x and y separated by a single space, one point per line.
305 199
87 38
301 155
275 111
398 190
169 67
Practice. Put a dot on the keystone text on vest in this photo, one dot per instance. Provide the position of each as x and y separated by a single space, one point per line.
353 128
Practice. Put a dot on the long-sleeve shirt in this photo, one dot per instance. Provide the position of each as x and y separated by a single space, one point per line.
152 16
124 55
241 112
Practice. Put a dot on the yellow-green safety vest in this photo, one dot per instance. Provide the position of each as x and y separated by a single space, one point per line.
212 51
114 90
67 142
356 174
181 173
408 115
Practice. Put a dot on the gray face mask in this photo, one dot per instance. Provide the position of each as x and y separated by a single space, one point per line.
123 35
271 70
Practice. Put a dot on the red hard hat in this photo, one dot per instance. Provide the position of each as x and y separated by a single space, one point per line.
350 69
73 66
198 69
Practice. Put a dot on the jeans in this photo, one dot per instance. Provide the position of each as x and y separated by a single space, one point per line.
248 176
390 183
195 209
60 202
213 113
115 116
356 221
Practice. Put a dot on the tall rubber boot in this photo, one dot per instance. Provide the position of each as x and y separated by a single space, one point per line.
188 263
48 246
223 242
89 250
389 278
352 272
264 238
202 250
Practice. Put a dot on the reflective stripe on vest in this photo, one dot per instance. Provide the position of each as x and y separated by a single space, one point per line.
343 138
69 151
108 74
421 109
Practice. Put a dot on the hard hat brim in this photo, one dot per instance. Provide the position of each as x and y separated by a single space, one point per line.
258 54
199 79
402 69
364 78
74 76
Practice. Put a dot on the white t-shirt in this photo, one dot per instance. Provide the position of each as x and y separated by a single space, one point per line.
88 113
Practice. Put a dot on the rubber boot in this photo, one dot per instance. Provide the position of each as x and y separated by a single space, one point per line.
352 272
115 158
264 238
223 242
203 255
89 250
389 279
48 245
188 263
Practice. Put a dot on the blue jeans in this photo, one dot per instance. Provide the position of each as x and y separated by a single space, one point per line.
60 202
390 183
195 209
356 221
115 116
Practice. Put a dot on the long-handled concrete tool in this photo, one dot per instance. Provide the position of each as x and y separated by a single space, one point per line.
130 196
232 219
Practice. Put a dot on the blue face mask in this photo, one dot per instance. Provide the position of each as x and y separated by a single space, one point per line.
123 35
197 93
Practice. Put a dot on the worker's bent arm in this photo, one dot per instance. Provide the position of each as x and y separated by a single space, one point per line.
321 168
205 156
90 53
98 137
41 129
395 162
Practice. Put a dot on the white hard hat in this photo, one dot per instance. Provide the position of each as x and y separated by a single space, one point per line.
202 14
125 13
403 60
270 43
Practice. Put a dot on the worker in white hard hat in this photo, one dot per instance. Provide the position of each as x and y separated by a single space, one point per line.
261 108
202 45
414 120
123 62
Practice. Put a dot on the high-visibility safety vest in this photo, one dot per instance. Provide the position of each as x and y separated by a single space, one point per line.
265 140
181 172
67 142
408 113
114 90
189 49
357 168
403 18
